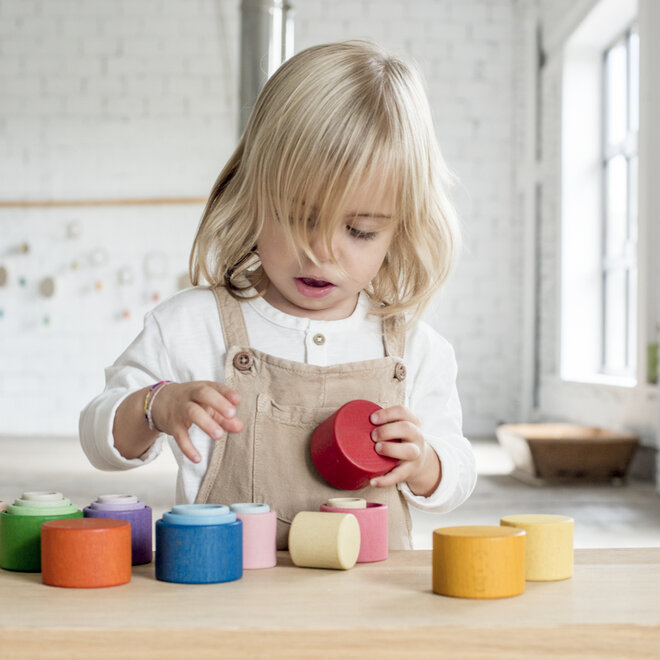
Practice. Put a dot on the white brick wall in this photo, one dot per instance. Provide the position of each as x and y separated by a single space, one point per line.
97 95
132 98
100 100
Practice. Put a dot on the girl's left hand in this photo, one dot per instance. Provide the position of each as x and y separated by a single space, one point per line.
399 435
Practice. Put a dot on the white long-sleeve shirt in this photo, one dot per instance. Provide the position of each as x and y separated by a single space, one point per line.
182 341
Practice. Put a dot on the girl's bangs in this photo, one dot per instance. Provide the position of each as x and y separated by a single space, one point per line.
308 199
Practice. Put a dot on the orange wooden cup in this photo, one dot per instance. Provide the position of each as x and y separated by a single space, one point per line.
86 552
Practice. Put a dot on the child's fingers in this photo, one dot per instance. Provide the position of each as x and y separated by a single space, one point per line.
205 422
233 425
396 475
406 431
198 415
394 414
185 444
401 451
208 396
232 396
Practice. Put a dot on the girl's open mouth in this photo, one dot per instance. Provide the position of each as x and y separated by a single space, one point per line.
312 288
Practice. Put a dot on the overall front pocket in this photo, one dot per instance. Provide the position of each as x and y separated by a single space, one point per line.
285 476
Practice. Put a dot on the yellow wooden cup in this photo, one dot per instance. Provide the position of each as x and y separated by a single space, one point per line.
479 561
549 554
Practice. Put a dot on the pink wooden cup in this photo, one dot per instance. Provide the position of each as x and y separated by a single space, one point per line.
373 529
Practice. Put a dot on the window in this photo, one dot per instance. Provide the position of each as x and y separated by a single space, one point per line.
600 110
619 287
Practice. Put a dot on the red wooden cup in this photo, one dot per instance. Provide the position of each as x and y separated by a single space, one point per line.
342 448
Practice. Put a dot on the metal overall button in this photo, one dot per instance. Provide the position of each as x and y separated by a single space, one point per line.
400 371
243 361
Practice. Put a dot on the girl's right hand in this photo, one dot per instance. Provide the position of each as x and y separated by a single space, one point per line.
210 406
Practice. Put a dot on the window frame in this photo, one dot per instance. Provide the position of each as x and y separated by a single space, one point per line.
583 313
626 261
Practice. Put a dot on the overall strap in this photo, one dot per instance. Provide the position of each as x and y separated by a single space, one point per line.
394 335
231 318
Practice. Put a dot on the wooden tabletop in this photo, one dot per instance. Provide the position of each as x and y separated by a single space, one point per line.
609 609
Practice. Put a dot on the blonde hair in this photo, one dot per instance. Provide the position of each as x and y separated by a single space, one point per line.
329 117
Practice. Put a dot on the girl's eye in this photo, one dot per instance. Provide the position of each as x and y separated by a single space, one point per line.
362 235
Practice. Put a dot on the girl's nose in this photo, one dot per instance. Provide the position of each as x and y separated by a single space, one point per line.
319 247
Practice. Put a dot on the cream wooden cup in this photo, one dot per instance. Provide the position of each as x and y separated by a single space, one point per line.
549 553
347 503
324 540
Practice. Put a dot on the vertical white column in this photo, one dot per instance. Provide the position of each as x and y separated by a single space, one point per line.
266 41
649 191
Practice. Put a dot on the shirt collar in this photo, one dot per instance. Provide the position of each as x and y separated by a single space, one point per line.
274 315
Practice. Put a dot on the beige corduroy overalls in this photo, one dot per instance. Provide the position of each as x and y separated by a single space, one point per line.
282 402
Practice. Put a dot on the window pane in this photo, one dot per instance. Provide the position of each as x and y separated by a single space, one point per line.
632 199
615 321
620 177
634 81
632 315
617 91
616 230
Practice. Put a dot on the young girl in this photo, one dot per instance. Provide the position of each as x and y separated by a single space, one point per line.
329 223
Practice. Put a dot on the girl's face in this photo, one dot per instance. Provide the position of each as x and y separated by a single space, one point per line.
329 291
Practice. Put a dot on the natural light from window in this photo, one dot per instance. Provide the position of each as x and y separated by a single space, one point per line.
600 109
621 112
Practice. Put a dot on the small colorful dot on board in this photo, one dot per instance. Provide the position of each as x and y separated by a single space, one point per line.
126 314
74 229
24 248
125 276
2 313
155 265
47 287
74 265
22 281
98 257
98 286
156 296
46 319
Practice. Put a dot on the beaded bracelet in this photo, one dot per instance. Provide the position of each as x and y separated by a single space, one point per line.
149 402
146 398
